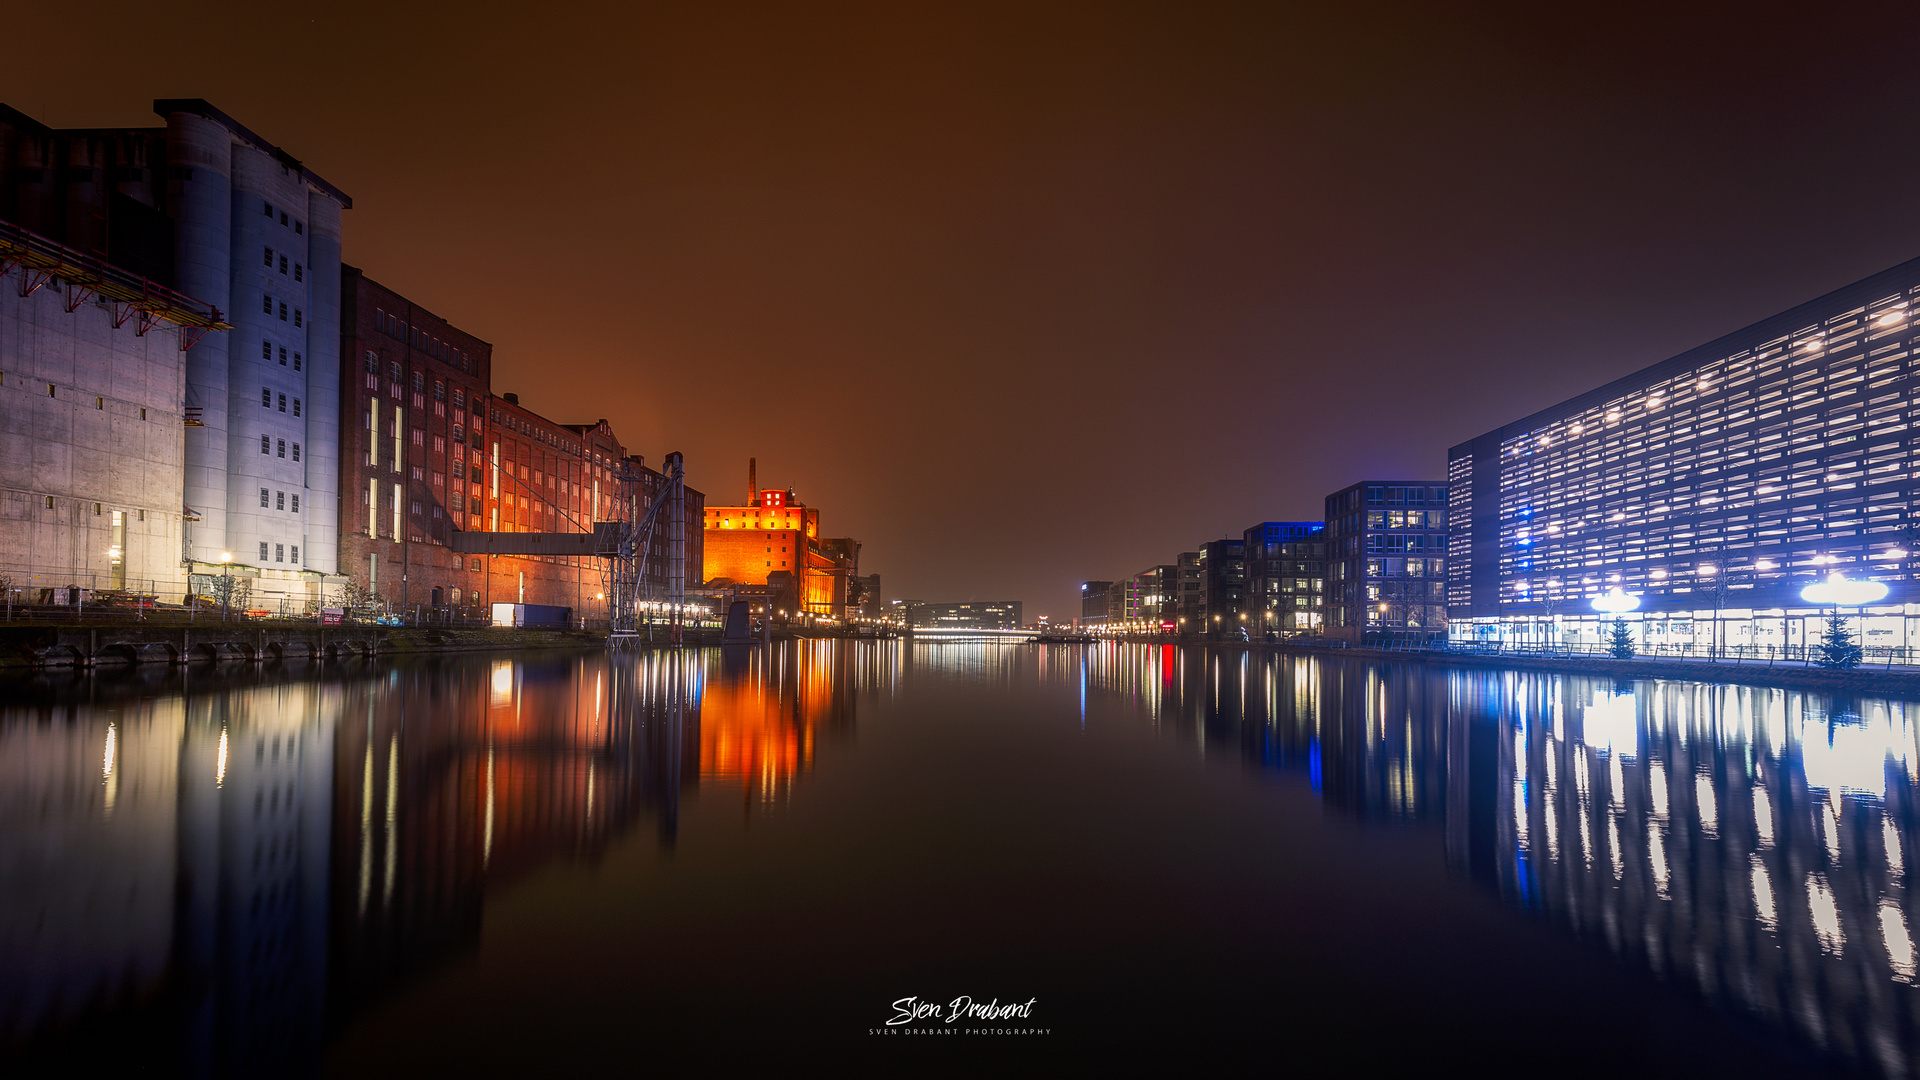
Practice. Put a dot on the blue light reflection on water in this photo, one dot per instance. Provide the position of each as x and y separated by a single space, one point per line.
1750 842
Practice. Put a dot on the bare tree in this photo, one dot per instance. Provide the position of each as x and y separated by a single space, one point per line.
354 596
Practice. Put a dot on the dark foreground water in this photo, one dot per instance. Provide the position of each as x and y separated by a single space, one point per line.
560 864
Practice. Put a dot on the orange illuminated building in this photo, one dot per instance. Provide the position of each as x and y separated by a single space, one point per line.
776 536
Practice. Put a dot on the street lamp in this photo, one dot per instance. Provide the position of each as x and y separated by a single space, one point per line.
226 587
1838 592
1615 602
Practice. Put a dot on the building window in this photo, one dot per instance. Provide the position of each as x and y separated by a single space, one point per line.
283 217
279 553
296 361
296 504
419 381
372 360
439 391
279 500
266 350
282 448
296 406
296 317
265 446
293 554
283 264
266 304
283 356
299 227
459 398
263 551
283 403
50 504
268 208
296 451
299 272
266 398
263 498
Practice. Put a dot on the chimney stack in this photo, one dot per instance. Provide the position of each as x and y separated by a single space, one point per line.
753 484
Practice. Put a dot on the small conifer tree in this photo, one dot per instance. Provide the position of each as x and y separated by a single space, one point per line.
1837 647
1620 642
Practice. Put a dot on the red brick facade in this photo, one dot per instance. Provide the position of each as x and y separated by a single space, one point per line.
427 449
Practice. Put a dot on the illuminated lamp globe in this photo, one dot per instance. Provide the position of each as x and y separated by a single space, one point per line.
1837 590
1615 601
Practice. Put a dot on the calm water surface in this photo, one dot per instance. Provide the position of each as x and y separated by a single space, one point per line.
735 860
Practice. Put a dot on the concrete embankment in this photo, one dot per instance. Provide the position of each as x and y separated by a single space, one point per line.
87 645
1864 679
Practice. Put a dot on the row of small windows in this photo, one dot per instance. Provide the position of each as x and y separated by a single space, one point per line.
1386 495
53 391
395 327
418 380
47 501
280 553
299 227
266 353
279 500
299 272
526 428
278 447
267 398
267 303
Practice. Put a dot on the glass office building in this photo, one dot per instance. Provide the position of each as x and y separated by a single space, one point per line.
1710 488
1387 562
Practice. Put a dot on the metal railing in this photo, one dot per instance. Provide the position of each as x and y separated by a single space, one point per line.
1872 656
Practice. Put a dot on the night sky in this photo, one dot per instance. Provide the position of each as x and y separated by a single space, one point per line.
1025 294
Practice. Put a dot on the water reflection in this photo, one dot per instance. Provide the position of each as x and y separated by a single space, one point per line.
1750 842
206 873
210 876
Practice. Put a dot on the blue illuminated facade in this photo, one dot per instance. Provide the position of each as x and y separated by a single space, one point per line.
1713 486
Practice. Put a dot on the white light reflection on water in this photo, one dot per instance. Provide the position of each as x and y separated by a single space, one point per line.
1893 927
1847 754
1763 895
1825 913
111 781
1613 845
1657 859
